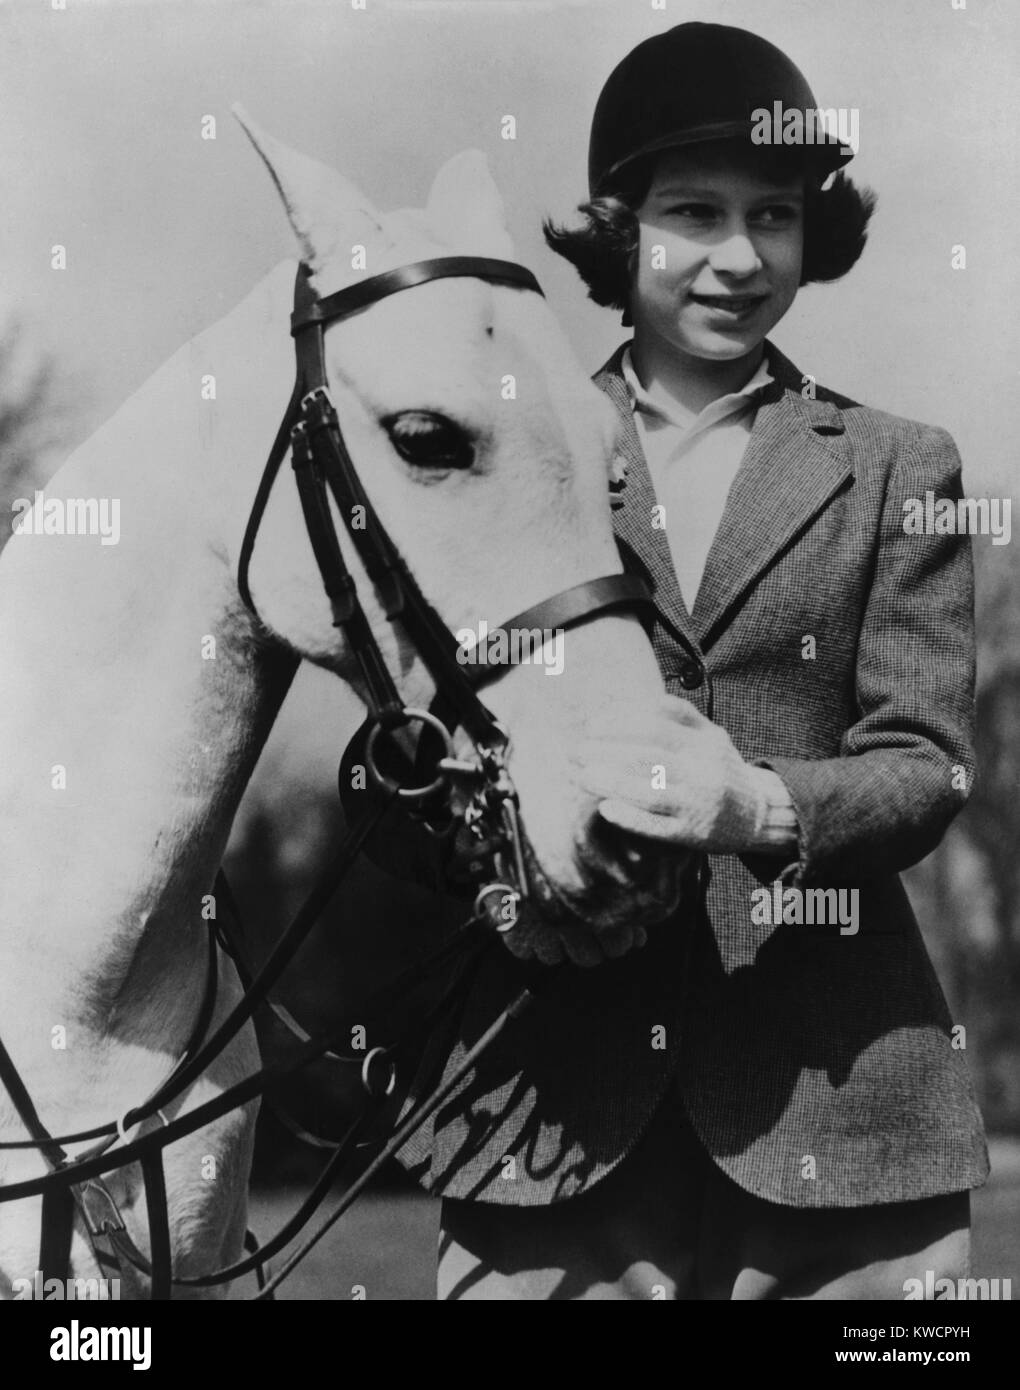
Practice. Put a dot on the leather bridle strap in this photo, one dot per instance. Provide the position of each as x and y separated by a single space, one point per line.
57 1223
258 507
158 1215
565 610
321 458
405 277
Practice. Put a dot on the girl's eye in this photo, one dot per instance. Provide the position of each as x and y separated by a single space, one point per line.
429 440
778 215
694 212
775 215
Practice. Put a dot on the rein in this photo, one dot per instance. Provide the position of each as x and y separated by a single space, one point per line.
323 468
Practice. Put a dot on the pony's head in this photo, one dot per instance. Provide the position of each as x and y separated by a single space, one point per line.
486 451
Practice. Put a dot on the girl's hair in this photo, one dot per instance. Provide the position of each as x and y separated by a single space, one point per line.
602 249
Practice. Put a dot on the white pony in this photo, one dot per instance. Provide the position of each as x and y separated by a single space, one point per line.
137 691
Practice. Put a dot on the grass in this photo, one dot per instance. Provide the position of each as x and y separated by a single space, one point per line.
386 1243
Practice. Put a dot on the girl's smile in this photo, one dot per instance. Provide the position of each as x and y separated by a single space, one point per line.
719 261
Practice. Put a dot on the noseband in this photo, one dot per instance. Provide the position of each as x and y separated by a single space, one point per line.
323 466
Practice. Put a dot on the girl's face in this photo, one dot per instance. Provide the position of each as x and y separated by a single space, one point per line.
720 251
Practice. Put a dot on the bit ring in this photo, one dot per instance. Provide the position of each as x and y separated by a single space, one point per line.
390 784
366 1073
504 890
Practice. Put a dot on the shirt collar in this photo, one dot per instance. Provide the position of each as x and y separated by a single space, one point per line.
716 410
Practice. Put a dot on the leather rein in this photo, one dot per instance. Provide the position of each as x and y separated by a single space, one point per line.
310 431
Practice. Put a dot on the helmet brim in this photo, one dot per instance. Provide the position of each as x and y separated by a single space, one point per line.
821 157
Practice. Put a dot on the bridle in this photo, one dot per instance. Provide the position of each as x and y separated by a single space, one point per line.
323 467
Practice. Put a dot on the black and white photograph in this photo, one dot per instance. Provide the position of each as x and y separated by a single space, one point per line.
509 665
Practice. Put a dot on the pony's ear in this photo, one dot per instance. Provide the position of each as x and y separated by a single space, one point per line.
328 214
465 207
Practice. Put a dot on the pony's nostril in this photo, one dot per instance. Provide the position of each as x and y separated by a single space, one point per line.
631 854
640 863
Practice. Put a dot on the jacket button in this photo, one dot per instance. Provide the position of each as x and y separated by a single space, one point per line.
690 675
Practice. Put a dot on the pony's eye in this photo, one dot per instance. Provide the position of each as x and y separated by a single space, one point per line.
428 440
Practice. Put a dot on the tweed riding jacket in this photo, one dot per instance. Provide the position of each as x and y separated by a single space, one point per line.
819 1068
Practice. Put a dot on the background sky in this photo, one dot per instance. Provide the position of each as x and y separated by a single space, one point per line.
100 150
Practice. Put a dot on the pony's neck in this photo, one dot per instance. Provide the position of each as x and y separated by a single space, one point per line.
136 702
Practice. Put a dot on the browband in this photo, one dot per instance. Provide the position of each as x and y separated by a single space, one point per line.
405 277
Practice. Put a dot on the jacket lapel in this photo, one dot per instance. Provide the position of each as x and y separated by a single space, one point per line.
795 461
633 501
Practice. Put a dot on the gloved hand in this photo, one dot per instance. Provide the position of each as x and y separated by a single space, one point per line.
677 778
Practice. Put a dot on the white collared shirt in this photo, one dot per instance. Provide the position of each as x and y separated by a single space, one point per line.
693 460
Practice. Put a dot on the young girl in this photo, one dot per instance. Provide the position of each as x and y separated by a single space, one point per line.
767 1101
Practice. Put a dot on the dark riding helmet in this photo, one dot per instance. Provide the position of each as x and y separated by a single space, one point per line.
694 83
